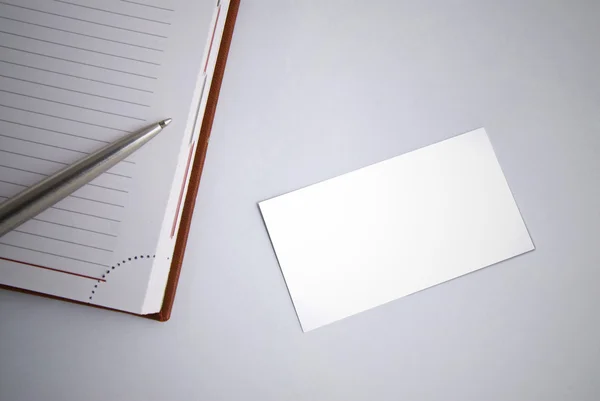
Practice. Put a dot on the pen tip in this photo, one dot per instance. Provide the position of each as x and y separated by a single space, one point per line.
164 123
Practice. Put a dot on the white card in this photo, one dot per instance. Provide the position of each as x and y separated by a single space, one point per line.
394 228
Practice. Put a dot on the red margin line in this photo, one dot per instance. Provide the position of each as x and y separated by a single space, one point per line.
187 170
51 269
212 38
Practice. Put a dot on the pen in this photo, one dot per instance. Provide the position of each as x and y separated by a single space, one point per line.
39 197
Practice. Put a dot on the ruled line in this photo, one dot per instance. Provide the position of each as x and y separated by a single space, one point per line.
46 175
78 62
43 144
86 214
73 90
62 209
96 200
53 254
112 12
52 269
54 131
64 118
118 174
69 226
54 146
147 5
77 76
82 20
13 183
82 34
53 161
62 240
79 48
109 188
19 169
71 105
31 157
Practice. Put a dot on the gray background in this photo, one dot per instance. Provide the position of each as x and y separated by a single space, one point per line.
314 89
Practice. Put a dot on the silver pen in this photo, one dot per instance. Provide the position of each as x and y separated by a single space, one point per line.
39 197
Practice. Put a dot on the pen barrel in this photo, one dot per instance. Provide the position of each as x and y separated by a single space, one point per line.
39 197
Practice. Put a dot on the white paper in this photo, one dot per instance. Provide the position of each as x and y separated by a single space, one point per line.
75 75
394 228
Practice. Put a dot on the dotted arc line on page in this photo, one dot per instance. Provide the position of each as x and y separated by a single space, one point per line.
124 261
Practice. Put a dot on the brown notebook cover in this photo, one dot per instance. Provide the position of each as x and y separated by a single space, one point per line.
194 179
196 172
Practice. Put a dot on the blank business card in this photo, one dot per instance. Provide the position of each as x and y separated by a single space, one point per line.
374 235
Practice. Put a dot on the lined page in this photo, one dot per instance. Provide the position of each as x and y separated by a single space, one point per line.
74 76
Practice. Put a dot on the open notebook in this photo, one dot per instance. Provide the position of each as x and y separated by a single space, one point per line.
74 76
